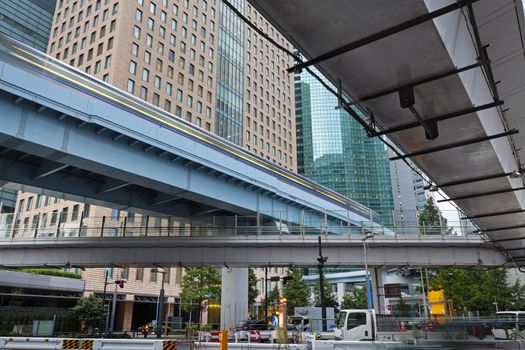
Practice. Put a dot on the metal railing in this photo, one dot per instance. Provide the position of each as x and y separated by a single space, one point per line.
31 225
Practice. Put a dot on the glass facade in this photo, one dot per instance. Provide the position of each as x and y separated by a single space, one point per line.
7 200
334 150
230 74
28 21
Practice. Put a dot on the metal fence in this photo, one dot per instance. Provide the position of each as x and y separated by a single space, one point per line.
53 225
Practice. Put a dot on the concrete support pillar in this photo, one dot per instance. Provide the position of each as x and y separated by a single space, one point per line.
234 296
125 316
340 292
378 289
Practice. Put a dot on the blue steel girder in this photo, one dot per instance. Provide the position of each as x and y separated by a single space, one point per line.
71 142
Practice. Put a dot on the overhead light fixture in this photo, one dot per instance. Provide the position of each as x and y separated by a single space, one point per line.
433 188
515 174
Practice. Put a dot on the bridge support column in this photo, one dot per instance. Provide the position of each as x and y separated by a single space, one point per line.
234 296
378 289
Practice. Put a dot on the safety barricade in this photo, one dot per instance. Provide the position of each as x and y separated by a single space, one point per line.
215 336
254 336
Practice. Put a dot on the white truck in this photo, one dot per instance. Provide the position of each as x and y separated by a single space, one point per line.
309 319
509 325
365 324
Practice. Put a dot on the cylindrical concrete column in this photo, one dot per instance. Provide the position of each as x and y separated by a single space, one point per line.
234 296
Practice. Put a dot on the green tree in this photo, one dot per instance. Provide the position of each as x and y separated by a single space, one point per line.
273 298
89 310
200 284
402 308
356 299
253 292
330 297
431 222
479 289
296 290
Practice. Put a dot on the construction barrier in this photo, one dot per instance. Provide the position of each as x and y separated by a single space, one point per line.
21 343
215 336
254 336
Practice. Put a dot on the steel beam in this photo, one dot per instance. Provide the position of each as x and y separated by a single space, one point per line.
47 168
469 180
501 228
112 185
418 82
381 34
455 145
507 212
483 194
439 118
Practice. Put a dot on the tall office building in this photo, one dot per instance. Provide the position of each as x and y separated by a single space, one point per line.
195 59
334 150
409 196
28 21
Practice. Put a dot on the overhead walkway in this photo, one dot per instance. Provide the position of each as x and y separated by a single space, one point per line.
443 79
234 242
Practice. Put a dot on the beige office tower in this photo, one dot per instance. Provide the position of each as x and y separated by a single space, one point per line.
193 58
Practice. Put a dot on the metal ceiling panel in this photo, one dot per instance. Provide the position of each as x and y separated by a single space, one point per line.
445 43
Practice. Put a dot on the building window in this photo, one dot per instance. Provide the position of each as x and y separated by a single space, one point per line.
74 213
133 67
143 93
139 274
131 86
155 100
145 74
38 201
107 61
135 50
153 275
29 203
167 105
136 32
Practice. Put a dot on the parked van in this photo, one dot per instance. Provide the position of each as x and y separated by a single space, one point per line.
509 325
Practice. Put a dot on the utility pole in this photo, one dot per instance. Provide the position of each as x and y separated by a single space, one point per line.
113 307
266 294
320 264
106 325
160 305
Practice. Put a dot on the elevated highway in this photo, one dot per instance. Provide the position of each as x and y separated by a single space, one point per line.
68 135
249 251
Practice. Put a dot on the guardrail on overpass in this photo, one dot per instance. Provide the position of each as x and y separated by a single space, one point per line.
72 223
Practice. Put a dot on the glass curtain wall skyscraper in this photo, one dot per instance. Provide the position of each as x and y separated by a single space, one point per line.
229 123
334 150
28 21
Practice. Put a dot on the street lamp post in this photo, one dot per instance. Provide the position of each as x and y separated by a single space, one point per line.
160 304
106 324
368 296
266 293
